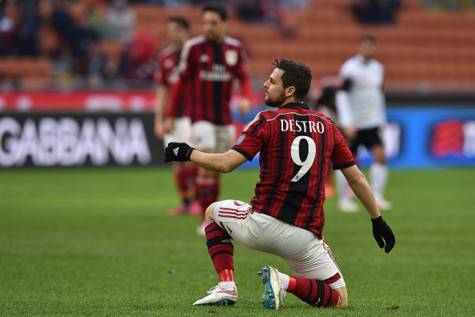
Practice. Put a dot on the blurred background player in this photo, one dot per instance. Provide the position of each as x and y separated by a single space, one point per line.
210 63
178 32
362 116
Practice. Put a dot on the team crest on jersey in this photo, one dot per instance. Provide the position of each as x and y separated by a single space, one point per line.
168 63
204 58
231 57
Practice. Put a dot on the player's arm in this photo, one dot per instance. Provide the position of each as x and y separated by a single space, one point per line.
381 231
343 104
358 182
216 162
162 96
343 159
246 147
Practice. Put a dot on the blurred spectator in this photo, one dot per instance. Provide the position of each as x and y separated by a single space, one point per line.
8 19
69 22
120 21
93 17
376 11
262 11
19 25
27 29
99 69
138 60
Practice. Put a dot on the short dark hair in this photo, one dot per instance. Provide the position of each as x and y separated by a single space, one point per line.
295 74
181 21
216 8
368 38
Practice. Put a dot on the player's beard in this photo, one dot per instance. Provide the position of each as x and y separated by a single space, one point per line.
275 102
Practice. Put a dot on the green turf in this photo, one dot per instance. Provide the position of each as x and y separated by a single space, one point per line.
98 242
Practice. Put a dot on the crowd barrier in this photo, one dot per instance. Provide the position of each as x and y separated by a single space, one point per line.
415 137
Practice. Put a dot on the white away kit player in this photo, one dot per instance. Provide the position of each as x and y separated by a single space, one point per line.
361 113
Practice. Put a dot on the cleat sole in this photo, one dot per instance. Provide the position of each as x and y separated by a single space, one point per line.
268 298
224 302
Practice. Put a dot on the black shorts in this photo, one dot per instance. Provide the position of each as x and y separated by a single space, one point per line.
368 137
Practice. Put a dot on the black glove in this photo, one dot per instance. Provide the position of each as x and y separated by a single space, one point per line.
178 152
382 233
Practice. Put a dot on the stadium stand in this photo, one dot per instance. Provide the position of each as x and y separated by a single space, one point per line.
425 50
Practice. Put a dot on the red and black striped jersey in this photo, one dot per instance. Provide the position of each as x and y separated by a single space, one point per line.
167 75
298 147
210 68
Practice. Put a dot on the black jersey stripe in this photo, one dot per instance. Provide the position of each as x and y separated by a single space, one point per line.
242 152
279 169
315 205
182 101
255 127
218 85
297 191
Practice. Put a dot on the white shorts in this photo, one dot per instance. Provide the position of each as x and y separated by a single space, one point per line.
307 255
206 136
181 131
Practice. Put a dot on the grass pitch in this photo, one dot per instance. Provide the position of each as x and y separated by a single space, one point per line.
98 242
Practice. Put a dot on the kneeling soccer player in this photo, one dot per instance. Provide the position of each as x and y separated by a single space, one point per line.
297 146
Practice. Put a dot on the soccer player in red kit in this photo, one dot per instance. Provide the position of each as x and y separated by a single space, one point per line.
297 146
178 32
211 63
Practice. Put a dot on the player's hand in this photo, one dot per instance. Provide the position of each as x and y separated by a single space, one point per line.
176 151
244 106
349 133
383 235
168 125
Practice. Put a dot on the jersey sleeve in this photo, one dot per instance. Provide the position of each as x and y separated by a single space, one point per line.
186 62
160 75
346 70
341 156
342 101
184 67
252 138
243 74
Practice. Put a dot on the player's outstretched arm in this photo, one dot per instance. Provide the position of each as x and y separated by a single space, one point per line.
217 162
381 231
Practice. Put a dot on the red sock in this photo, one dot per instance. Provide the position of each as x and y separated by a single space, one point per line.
220 249
314 292
185 176
207 189
226 275
179 173
190 171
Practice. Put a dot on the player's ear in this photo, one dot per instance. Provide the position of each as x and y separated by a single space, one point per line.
289 91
